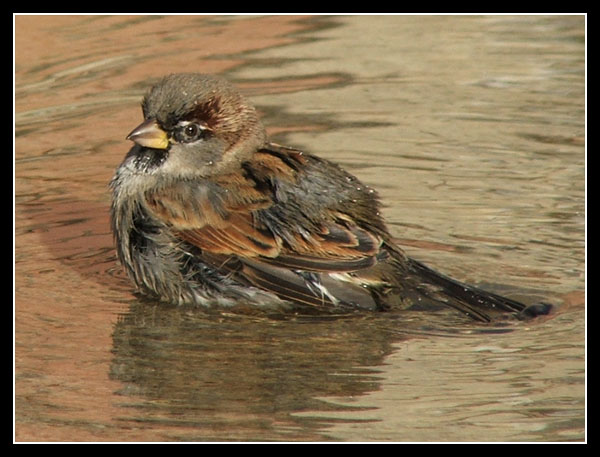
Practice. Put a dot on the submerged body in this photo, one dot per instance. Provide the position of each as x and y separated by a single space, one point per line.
206 211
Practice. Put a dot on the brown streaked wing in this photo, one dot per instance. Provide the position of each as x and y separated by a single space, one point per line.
238 237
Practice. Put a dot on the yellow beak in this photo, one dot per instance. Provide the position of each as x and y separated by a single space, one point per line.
149 135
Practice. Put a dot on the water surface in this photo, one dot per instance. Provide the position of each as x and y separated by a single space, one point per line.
471 128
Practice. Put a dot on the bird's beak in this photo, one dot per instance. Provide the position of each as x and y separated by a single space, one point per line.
149 135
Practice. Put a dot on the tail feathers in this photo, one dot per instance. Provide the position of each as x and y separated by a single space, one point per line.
476 303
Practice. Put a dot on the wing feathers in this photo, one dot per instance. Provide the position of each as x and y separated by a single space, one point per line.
227 218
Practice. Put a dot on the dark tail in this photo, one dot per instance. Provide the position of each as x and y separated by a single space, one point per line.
474 302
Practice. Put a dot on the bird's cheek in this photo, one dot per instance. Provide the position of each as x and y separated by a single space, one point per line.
195 159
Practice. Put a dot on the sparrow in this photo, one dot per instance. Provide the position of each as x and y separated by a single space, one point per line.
207 212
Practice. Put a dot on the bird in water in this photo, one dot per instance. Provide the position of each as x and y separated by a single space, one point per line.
206 211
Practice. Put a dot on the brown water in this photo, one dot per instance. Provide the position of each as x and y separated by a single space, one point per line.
471 128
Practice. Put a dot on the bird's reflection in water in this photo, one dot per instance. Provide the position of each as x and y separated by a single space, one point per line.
244 373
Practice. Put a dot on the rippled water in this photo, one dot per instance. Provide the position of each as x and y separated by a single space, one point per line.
471 128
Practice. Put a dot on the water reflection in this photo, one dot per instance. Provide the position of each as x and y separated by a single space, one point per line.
220 375
232 374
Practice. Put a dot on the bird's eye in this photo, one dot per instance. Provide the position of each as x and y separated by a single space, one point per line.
190 133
